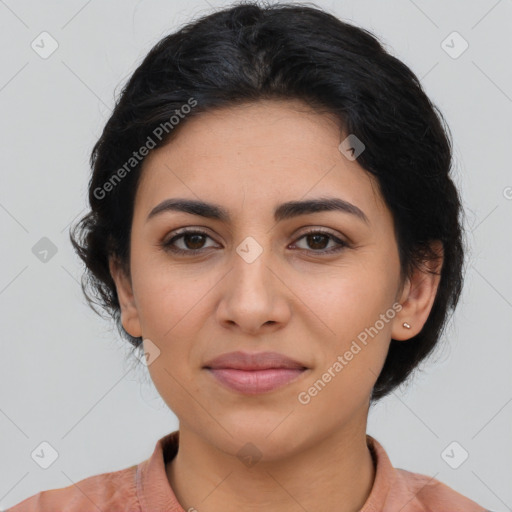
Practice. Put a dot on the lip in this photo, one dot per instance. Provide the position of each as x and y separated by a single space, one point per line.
255 361
255 373
255 382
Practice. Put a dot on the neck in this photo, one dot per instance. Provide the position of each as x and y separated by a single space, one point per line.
335 473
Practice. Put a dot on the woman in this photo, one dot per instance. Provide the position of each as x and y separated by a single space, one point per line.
274 223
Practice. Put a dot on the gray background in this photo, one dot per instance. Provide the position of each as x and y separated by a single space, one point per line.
65 376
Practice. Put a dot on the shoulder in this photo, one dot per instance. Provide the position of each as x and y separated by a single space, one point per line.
398 489
432 495
106 492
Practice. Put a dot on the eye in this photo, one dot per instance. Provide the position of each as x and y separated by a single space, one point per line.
193 241
317 239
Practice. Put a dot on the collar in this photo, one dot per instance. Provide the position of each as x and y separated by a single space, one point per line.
155 493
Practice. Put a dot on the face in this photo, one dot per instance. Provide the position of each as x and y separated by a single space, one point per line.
311 286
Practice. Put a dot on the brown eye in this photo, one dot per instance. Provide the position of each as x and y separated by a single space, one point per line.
191 242
318 241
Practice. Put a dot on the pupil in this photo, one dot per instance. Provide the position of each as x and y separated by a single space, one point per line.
317 237
196 237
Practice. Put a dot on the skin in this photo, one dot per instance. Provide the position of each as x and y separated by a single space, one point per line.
291 300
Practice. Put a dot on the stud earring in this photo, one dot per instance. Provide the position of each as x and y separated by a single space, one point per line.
406 325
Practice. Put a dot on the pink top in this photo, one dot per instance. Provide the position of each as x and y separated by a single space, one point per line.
145 488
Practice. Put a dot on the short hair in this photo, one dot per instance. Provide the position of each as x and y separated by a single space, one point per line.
250 52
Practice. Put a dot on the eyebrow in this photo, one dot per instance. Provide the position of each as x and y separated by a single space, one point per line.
284 211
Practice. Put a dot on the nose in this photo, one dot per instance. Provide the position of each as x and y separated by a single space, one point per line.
254 296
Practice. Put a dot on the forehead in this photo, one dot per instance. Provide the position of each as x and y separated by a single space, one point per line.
258 155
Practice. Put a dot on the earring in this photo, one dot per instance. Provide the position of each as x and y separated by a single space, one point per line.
406 325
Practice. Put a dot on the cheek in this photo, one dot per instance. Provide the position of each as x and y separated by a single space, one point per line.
170 303
350 360
349 300
169 295
355 303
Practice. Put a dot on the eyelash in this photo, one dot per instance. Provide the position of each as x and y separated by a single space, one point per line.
169 247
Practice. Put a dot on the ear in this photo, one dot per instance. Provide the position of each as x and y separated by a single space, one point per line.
417 297
129 314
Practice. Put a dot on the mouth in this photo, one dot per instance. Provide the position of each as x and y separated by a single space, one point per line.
252 374
254 382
